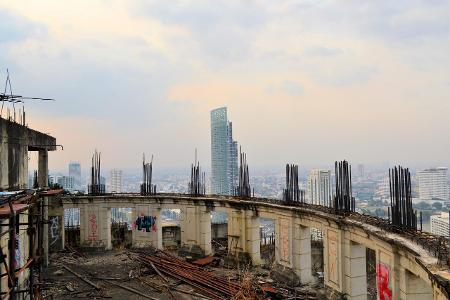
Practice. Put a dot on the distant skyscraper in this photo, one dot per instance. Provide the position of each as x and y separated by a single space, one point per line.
319 186
66 182
224 154
439 224
116 181
433 184
75 173
361 170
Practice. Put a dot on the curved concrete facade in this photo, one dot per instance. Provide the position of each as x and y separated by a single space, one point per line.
404 270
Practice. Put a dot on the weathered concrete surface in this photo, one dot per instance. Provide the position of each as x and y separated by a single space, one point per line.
345 241
15 142
285 275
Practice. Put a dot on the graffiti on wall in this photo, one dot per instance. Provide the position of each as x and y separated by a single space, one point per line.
54 230
19 257
92 227
333 256
145 223
383 278
284 239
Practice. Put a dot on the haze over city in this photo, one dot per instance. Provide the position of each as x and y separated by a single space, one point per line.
308 82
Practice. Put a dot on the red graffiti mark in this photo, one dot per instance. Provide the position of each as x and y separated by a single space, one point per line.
383 277
93 227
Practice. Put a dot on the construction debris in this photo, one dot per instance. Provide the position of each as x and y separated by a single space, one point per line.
82 278
157 274
209 260
208 284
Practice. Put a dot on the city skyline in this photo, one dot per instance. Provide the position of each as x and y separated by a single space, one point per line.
288 73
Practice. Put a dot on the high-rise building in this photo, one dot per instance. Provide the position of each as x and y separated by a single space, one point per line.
319 187
66 182
361 170
116 181
224 154
439 224
433 184
75 173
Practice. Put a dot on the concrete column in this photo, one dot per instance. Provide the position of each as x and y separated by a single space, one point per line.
413 287
196 227
45 230
252 242
188 226
56 225
276 232
43 168
147 230
355 274
387 287
301 252
105 226
43 182
95 226
204 215
236 231
243 234
332 252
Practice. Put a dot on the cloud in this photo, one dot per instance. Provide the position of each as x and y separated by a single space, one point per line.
14 28
222 30
288 87
322 51
143 75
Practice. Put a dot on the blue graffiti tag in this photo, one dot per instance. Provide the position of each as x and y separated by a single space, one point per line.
146 222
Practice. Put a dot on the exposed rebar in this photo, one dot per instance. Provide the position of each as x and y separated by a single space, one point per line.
96 187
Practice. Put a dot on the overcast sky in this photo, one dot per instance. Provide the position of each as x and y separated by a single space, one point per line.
309 81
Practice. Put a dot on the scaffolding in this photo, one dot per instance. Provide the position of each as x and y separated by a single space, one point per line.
21 273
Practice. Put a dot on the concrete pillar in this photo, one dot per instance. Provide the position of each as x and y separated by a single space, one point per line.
205 229
236 232
332 252
43 182
301 252
56 225
355 274
243 234
95 226
196 227
43 168
45 230
413 287
253 237
283 241
147 230
387 287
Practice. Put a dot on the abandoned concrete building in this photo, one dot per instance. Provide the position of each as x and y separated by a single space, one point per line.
355 256
23 213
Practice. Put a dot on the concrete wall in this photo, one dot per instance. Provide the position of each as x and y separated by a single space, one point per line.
399 276
21 254
15 142
219 230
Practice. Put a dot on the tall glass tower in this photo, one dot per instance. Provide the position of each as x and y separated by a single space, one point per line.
224 158
75 173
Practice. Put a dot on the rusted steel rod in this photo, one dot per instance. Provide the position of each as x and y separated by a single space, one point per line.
207 283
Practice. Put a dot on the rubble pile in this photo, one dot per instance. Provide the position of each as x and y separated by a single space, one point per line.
158 274
207 283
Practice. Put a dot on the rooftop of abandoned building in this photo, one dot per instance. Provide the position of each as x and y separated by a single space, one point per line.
157 274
